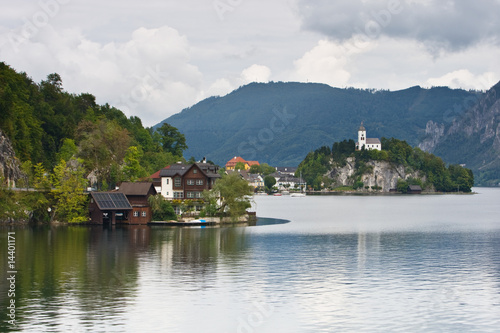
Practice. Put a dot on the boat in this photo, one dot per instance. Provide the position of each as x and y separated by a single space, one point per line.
277 194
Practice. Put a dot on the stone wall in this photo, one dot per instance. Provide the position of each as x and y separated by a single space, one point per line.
9 164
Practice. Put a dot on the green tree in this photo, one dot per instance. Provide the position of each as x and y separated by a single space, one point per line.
132 168
402 186
68 150
69 184
172 140
255 169
233 194
102 147
240 166
267 169
162 209
269 182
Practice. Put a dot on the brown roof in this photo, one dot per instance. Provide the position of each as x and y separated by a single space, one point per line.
139 188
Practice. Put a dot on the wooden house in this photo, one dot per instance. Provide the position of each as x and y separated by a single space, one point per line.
414 189
137 195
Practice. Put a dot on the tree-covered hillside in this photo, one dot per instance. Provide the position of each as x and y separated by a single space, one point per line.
280 123
46 124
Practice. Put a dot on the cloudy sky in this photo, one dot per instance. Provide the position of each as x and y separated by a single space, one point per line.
152 58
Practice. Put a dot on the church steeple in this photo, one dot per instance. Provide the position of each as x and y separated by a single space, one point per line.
362 128
361 136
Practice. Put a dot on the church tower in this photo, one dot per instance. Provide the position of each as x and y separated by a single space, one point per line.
361 136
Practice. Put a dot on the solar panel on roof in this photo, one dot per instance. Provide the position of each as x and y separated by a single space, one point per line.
111 200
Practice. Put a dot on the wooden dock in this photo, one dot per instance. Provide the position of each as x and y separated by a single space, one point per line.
194 223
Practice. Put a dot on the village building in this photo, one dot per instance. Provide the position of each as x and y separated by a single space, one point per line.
137 194
367 143
286 170
254 180
187 181
231 164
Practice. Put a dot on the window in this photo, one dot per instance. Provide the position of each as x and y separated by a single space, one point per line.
190 194
144 214
195 171
136 213
167 181
190 181
199 181
177 182
178 195
198 194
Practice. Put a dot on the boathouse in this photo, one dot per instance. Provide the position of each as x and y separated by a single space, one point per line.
137 195
109 208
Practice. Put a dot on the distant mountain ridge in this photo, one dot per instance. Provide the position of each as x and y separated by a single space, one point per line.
279 123
472 139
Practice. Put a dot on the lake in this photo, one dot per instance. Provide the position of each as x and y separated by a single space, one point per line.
422 263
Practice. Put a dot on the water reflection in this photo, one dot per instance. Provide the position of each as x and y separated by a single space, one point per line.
321 272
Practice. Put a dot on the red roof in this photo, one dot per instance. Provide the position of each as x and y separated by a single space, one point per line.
250 163
232 162
156 175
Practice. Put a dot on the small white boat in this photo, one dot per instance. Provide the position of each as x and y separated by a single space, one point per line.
297 195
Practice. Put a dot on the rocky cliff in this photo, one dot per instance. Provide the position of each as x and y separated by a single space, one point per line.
472 139
380 173
9 165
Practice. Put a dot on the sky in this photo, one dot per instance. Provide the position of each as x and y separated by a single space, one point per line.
153 58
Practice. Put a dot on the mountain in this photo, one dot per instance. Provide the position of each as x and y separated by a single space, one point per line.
279 123
472 139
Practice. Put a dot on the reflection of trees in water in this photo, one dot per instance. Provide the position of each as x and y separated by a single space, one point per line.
185 251
89 268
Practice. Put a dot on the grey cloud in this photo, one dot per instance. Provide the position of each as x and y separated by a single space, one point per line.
440 24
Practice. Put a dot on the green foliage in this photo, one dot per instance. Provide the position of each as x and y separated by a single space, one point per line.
269 182
402 186
47 124
172 140
210 198
255 169
69 183
240 166
162 208
132 168
234 195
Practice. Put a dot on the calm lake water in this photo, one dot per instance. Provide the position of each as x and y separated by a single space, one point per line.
342 264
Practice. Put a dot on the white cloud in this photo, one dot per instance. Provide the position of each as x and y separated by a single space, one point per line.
329 62
463 78
256 73
150 75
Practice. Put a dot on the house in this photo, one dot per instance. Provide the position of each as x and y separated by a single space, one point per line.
137 195
253 180
367 143
286 170
287 182
230 165
109 208
187 181
414 189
